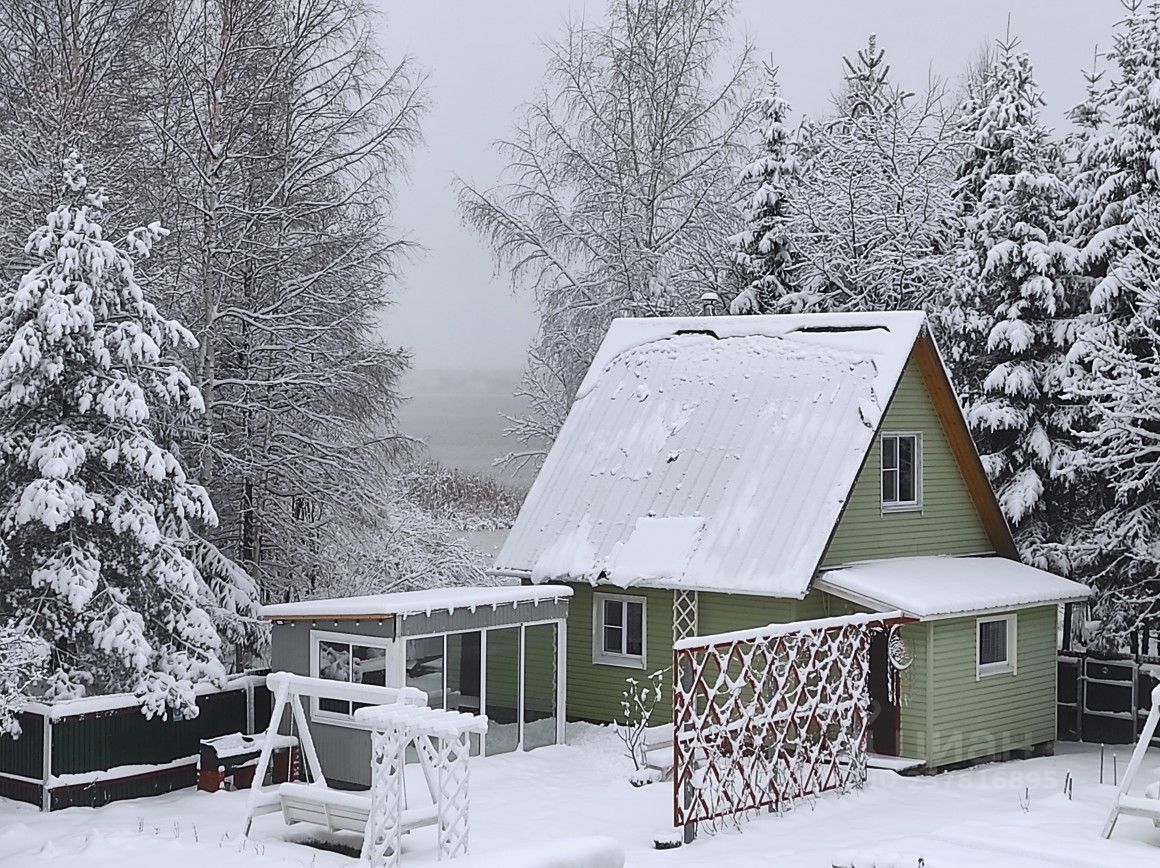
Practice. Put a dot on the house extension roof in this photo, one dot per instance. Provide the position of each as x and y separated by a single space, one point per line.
711 453
414 602
944 587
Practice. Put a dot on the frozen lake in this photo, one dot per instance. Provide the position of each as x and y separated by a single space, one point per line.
458 414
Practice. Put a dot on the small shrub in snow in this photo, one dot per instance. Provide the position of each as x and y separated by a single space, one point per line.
637 702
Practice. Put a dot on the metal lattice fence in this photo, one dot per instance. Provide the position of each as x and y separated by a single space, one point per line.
765 717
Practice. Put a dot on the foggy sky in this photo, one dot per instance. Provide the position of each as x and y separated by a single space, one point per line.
485 57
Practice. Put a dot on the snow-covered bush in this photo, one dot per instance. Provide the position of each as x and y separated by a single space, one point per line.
98 516
22 661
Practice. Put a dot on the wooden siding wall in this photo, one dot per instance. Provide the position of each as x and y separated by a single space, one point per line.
914 693
594 689
948 522
972 718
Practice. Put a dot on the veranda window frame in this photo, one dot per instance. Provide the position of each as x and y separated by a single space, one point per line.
600 657
397 670
898 505
391 674
1010 666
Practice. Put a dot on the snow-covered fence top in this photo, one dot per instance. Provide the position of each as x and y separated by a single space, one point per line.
99 749
772 631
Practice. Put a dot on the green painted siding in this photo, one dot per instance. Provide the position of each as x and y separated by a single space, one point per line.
914 688
977 717
947 522
594 689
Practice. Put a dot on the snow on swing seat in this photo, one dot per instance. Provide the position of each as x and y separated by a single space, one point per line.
341 810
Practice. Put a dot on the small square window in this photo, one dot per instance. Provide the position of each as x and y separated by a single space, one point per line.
901 471
618 630
995 645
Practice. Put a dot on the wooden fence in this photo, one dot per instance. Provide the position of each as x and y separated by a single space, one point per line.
100 749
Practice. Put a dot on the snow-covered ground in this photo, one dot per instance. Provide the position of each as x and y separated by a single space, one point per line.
967 818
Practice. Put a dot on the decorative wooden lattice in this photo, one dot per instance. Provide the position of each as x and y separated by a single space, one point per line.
442 740
684 615
765 717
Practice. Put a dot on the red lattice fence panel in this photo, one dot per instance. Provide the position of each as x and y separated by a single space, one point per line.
763 717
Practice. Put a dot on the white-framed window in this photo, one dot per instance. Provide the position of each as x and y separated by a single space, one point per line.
901 471
996 641
618 630
348 657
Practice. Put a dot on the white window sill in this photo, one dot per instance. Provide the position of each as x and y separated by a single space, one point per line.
901 507
991 669
620 662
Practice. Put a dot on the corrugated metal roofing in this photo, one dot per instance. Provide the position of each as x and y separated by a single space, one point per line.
754 426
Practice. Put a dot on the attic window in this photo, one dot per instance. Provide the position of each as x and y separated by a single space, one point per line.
901 472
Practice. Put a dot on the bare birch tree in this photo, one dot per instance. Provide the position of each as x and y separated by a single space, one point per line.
620 186
285 128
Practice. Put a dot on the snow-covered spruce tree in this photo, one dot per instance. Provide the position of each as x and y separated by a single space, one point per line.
764 250
873 196
1016 310
1117 222
95 512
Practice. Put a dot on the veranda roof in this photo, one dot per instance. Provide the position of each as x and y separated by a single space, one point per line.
945 587
416 602
711 453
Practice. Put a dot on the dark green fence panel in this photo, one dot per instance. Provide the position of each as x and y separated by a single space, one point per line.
105 739
98 741
24 756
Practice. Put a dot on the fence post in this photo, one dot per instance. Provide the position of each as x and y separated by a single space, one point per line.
46 761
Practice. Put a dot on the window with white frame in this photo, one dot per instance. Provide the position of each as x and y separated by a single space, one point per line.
346 657
618 630
901 471
995 645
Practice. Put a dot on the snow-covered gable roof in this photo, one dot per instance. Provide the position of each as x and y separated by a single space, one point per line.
711 453
944 587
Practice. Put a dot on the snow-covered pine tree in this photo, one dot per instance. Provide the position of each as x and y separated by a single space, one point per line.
764 250
95 513
1016 309
1117 225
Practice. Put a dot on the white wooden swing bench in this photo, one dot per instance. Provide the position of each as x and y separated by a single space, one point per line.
1134 806
316 802
341 810
397 718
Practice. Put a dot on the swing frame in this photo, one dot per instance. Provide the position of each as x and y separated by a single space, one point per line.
1134 805
338 812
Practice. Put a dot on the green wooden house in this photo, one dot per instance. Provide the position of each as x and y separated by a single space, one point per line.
722 473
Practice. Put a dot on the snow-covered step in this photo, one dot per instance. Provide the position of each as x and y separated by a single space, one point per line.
893 763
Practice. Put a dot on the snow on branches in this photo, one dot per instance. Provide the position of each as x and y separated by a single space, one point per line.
97 513
764 250
1015 310
620 185
1117 224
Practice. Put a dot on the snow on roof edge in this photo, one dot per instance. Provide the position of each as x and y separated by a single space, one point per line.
935 587
425 602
